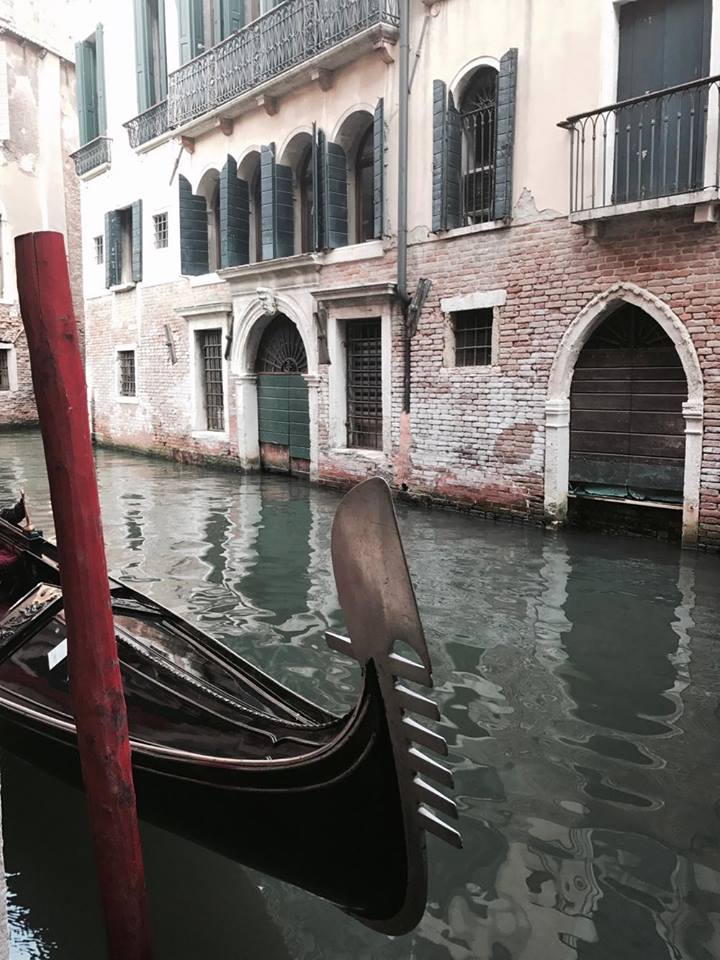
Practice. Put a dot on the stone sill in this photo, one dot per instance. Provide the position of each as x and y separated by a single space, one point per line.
205 279
122 287
130 400
693 198
207 435
473 228
374 456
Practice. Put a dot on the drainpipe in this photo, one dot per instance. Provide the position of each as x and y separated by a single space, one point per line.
403 192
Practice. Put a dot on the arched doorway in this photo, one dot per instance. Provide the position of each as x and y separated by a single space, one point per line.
282 395
627 429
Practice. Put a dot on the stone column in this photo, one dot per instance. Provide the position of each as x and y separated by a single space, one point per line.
557 459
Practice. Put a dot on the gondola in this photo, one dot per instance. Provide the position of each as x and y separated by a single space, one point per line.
226 756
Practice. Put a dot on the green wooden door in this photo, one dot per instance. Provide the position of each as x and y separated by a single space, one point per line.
284 413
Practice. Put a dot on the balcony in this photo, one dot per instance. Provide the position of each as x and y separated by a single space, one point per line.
647 153
148 125
93 157
287 37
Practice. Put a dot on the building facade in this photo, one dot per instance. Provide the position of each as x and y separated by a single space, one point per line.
240 228
38 186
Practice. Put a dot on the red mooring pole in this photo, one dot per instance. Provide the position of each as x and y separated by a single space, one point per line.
95 682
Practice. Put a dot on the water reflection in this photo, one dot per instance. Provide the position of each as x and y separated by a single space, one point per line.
580 686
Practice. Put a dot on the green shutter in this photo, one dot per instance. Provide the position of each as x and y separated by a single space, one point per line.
379 168
161 66
194 259
505 134
439 221
234 202
335 195
234 16
113 248
87 90
447 160
190 29
142 58
80 88
277 205
137 241
267 200
100 80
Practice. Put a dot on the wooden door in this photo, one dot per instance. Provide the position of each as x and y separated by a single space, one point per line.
627 431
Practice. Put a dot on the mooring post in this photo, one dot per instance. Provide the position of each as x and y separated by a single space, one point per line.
95 682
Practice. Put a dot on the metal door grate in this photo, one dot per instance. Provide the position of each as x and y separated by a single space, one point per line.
126 359
364 384
210 343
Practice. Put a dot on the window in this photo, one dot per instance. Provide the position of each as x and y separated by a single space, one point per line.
473 337
364 183
364 384
256 217
203 23
99 245
4 369
210 354
150 54
160 230
305 181
478 111
123 245
126 364
89 60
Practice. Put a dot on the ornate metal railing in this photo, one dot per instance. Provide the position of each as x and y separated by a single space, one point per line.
148 125
92 155
659 145
290 34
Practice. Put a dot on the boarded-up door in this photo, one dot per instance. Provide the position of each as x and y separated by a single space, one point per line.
626 423
282 392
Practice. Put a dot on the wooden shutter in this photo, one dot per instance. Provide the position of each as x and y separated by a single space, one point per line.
80 87
194 259
85 66
267 200
453 166
234 202
161 65
335 195
276 191
100 79
231 15
318 166
142 58
439 220
190 29
505 134
379 169
113 248
136 237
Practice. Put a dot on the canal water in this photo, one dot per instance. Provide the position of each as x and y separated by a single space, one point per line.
579 678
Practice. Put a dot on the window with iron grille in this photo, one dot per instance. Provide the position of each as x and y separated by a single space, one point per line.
473 337
478 111
210 350
364 384
4 369
126 361
99 249
160 228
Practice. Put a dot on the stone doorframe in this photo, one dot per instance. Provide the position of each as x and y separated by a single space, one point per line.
557 402
249 326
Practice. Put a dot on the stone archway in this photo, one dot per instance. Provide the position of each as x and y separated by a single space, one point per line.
557 406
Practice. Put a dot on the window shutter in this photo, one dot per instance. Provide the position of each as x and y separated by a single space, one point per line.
142 64
137 241
284 211
193 231
234 11
100 79
379 168
267 200
453 166
319 212
505 136
234 217
80 87
335 193
161 65
439 219
190 29
113 249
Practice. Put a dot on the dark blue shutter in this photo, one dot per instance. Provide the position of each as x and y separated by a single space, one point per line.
505 134
284 211
113 248
136 235
190 29
335 194
194 259
439 219
453 166
100 80
234 217
142 59
379 168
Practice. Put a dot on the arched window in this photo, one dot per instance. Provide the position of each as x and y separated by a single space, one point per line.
305 184
478 108
209 188
364 196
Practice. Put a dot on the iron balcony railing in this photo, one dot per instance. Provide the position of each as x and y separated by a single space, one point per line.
289 34
148 125
92 155
662 144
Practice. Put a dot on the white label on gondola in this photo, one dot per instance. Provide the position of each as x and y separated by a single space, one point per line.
57 654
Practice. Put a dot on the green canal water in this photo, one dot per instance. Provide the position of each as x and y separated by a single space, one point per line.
579 680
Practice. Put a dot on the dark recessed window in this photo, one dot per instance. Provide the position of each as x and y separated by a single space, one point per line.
364 189
99 249
4 370
160 229
473 337
210 351
364 384
126 360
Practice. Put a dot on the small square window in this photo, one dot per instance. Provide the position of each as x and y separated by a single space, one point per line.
126 360
4 370
160 229
473 337
99 249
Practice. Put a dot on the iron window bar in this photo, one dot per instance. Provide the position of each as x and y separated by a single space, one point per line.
473 337
211 359
4 371
661 144
126 359
364 384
